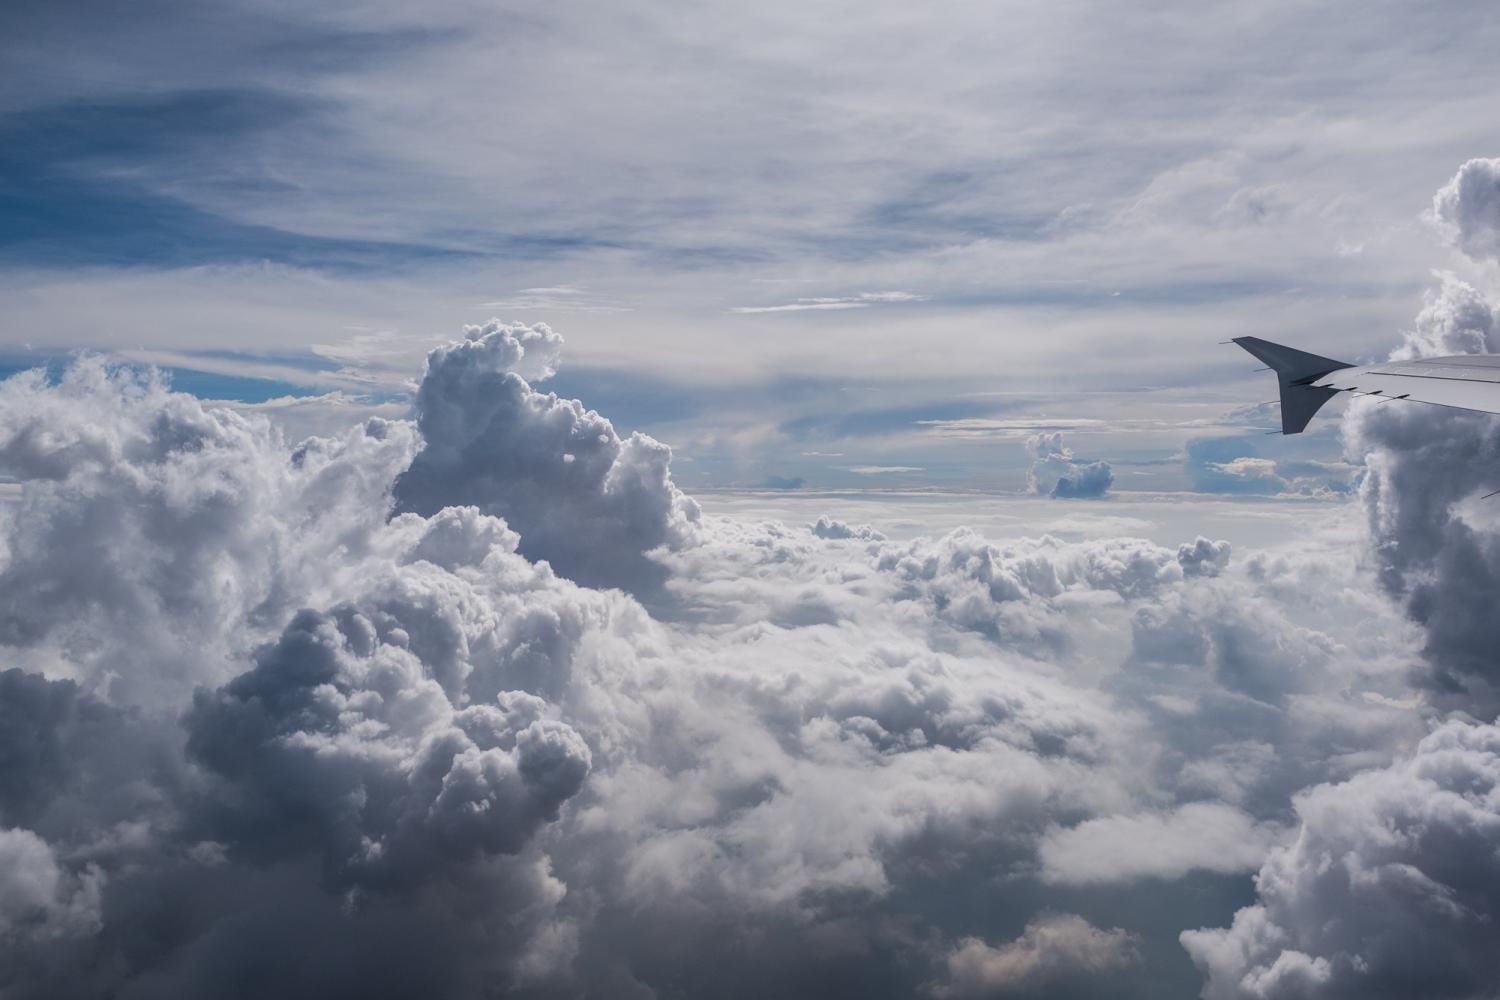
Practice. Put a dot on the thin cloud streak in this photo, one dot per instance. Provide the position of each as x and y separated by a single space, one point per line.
860 301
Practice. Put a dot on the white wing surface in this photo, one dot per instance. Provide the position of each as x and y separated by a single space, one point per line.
1468 381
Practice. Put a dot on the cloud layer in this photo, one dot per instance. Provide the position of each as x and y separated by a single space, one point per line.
479 703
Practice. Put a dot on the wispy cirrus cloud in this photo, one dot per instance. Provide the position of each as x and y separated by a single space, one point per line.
861 301
882 470
308 168
1007 428
558 298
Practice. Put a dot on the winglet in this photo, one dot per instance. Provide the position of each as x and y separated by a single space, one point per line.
1295 370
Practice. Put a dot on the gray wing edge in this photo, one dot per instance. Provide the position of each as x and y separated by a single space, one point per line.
1295 372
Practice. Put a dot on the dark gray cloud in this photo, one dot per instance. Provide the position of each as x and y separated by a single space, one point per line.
338 742
1423 463
1086 480
67 758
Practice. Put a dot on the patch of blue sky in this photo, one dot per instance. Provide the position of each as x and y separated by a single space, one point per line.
303 361
1217 464
72 194
51 362
632 401
235 388
846 472
322 50
62 221
928 222
812 408
195 382
873 421
1087 294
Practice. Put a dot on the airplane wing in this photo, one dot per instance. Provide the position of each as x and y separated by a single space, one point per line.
1467 381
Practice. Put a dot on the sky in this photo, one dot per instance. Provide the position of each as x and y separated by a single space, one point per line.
767 233
657 501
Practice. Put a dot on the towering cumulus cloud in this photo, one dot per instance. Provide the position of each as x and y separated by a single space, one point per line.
1423 464
583 499
1468 207
1055 473
478 704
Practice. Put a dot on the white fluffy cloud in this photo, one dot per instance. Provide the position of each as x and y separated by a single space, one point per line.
152 530
1391 888
1055 951
831 527
1054 472
588 502
1197 836
354 712
1455 319
1468 208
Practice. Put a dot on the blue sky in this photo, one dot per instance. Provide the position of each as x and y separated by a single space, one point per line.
790 241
